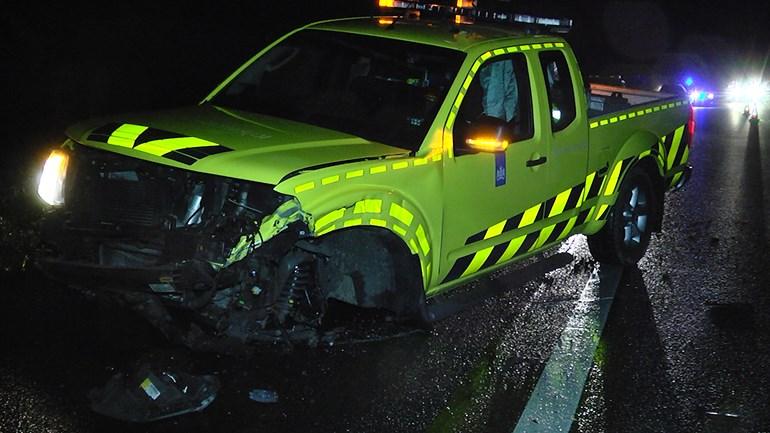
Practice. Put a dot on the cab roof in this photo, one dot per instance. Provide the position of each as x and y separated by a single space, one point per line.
441 33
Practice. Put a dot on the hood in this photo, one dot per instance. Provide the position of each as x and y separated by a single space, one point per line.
226 142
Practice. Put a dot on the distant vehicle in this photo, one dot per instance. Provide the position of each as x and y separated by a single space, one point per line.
702 98
371 161
751 91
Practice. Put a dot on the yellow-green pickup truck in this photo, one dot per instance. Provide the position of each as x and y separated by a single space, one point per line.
372 161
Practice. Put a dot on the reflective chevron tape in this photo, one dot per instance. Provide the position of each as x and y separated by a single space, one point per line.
685 155
571 224
676 145
486 257
611 185
177 147
481 256
564 201
683 150
363 173
673 148
632 114
582 217
612 182
675 179
603 182
505 251
596 181
381 212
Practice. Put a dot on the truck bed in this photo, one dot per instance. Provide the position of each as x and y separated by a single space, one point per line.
605 99
643 117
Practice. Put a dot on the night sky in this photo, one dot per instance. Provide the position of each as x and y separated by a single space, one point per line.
64 63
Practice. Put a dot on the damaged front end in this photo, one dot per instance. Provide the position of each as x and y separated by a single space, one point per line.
208 260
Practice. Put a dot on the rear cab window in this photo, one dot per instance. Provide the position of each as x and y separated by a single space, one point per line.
558 81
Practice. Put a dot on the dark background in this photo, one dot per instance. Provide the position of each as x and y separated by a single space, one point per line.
698 346
62 63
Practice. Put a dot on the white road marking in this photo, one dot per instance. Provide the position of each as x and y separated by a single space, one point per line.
553 403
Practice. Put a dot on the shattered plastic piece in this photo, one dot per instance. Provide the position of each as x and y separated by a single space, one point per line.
151 394
263 395
287 213
725 414
150 389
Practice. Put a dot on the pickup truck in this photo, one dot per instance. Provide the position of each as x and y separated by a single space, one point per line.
375 162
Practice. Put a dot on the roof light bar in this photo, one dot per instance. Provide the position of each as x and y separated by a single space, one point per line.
466 9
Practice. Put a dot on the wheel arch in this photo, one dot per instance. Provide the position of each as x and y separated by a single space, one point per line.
643 147
643 144
371 267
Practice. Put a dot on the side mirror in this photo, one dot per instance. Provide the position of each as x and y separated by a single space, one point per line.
488 134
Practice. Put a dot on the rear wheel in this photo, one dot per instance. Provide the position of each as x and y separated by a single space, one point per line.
626 235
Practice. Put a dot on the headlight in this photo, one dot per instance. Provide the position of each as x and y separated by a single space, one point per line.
51 186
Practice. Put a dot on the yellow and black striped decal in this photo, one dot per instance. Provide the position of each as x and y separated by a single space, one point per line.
571 198
675 144
672 151
177 147
568 200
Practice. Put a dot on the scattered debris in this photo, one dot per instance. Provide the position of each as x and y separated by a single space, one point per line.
726 414
151 394
722 421
263 396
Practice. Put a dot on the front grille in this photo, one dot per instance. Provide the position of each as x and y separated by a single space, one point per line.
143 204
108 189
112 190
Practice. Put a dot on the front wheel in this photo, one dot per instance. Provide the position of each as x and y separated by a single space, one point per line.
626 235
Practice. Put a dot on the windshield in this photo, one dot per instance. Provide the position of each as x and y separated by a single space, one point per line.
380 89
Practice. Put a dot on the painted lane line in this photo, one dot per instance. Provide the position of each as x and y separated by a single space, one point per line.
556 396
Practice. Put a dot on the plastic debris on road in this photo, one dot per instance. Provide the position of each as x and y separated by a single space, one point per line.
151 394
263 396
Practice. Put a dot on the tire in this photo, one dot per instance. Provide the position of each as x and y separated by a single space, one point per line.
626 235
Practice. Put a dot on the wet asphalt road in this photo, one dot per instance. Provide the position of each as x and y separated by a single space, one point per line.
685 347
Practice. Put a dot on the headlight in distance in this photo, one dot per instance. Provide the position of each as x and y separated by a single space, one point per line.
51 185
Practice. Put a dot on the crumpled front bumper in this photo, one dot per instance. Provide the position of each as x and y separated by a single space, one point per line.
95 276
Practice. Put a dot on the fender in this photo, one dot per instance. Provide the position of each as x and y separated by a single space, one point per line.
369 193
640 145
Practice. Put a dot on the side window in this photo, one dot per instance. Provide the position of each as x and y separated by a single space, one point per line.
500 93
559 86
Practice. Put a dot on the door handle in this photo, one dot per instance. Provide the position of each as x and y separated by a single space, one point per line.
534 162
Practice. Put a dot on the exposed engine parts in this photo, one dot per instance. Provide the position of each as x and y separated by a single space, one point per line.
212 262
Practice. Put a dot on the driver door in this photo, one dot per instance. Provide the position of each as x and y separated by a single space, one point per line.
492 198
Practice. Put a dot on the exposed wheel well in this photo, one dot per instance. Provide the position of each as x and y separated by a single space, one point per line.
371 267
